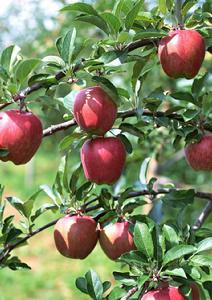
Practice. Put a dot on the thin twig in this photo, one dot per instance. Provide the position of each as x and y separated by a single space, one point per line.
203 216
130 293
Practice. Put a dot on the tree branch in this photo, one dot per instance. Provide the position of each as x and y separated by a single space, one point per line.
203 216
130 293
58 127
202 195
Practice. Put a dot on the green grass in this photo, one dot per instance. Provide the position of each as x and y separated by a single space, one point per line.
52 276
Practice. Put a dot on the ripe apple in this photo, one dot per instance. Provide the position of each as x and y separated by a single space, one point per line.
199 155
170 293
164 293
20 134
181 53
116 239
75 236
103 159
94 110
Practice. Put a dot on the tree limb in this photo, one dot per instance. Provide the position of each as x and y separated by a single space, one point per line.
130 293
203 216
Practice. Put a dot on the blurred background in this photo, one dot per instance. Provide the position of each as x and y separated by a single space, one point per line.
34 26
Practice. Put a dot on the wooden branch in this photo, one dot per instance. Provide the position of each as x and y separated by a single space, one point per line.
130 293
203 216
58 127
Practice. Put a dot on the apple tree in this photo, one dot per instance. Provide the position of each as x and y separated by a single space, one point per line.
132 94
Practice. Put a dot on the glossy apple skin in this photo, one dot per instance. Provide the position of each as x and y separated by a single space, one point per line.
116 239
21 133
167 293
181 53
94 111
103 159
75 236
199 155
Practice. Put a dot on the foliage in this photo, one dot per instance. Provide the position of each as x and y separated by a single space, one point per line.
156 115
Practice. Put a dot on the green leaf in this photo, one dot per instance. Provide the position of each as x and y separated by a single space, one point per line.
14 264
43 209
185 96
81 191
132 129
3 74
175 272
81 7
178 252
18 204
125 278
116 293
199 84
112 21
49 192
202 260
81 284
162 6
171 235
143 239
54 60
126 143
133 14
134 257
74 179
149 34
179 198
143 171
68 46
25 67
187 5
106 286
9 57
94 285
68 100
204 245
28 205
94 20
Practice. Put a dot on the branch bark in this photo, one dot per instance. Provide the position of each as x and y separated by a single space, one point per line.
203 215
130 293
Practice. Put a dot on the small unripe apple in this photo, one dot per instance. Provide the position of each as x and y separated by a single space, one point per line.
116 239
181 53
94 110
20 134
199 155
75 236
166 293
103 159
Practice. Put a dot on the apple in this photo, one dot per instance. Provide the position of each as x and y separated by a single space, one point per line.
103 159
75 236
94 110
116 239
20 134
181 53
199 155
170 293
164 293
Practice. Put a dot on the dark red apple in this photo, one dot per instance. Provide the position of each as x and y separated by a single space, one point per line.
181 53
166 293
21 134
75 236
199 155
116 239
94 110
103 159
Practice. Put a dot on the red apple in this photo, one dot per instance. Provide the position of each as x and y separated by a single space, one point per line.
103 159
166 293
199 155
181 53
21 134
75 236
94 110
116 239
170 293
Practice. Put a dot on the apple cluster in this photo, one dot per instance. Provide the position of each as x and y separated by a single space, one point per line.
76 236
102 157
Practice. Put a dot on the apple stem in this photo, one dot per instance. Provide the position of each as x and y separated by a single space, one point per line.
178 14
